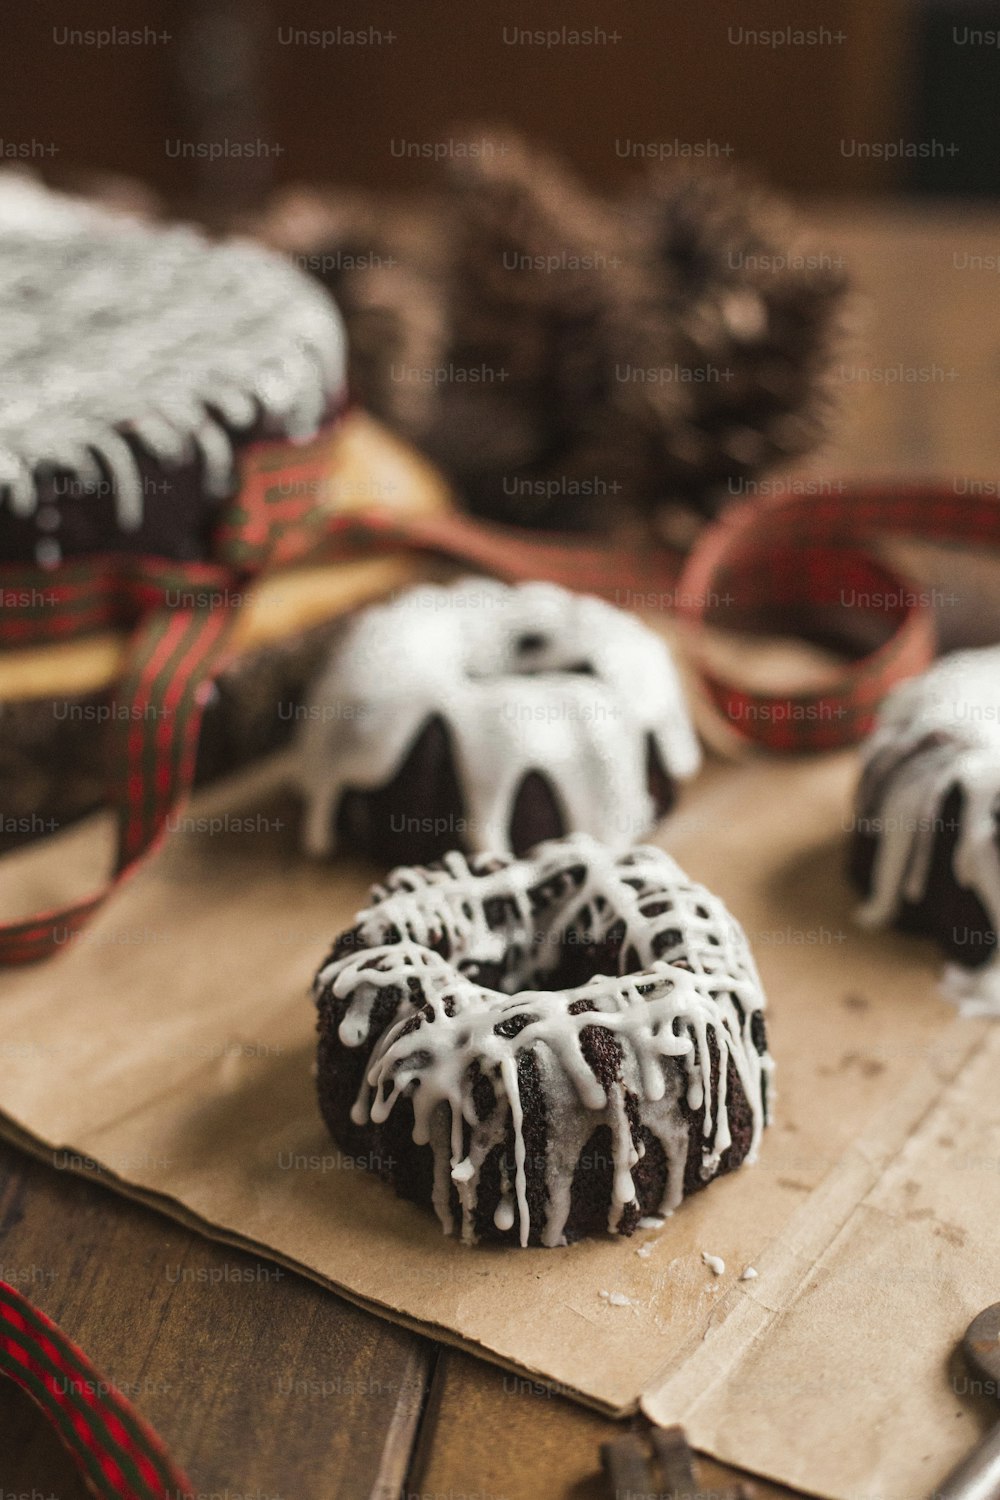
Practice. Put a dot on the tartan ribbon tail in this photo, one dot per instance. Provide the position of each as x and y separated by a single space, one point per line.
158 712
119 1455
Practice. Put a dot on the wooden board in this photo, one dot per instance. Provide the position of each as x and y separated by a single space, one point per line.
258 1380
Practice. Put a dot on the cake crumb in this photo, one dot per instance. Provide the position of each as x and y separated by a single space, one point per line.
644 1251
749 1273
616 1299
715 1263
652 1221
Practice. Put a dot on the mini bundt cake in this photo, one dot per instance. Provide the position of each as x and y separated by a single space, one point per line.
925 850
139 361
480 716
548 1048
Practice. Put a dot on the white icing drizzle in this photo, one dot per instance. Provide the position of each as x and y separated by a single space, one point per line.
454 651
959 700
109 326
437 1040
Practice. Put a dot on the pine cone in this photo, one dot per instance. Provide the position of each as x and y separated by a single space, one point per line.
745 312
666 346
533 434
567 359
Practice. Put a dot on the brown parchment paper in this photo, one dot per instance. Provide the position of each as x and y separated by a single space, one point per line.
172 1044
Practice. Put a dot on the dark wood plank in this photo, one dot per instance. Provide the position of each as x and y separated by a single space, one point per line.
494 1435
261 1381
256 1378
662 74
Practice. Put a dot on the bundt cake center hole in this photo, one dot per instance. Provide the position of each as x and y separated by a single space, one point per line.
530 644
535 652
571 957
530 654
556 950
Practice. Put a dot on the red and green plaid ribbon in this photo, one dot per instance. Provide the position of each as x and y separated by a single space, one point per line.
152 745
119 1455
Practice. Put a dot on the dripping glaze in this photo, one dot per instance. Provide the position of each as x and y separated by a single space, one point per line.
933 733
453 651
662 1017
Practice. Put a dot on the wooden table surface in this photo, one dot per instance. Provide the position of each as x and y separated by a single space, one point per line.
262 1383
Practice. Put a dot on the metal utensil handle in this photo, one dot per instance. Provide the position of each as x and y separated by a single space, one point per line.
976 1477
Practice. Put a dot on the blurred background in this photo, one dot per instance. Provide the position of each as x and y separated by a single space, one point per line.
819 96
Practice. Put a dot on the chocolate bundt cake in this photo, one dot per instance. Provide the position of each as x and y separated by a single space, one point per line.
138 361
925 849
548 1048
481 716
